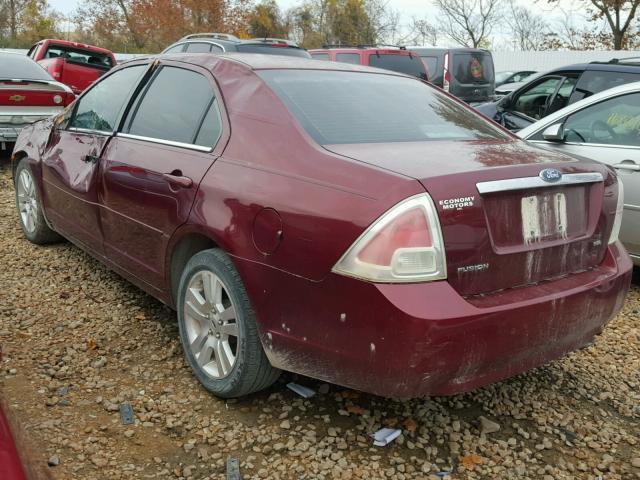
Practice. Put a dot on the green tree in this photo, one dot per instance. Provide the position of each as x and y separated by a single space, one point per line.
267 20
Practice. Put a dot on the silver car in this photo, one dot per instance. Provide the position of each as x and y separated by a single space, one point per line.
604 127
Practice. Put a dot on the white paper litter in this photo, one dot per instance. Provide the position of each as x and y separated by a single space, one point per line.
385 436
300 390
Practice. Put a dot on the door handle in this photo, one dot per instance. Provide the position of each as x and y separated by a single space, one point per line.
629 165
90 158
176 178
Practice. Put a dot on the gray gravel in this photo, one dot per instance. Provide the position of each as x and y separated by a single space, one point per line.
78 341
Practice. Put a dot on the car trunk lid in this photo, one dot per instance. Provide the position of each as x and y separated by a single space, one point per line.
503 225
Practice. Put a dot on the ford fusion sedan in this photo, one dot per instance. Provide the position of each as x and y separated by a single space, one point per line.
403 246
603 127
27 93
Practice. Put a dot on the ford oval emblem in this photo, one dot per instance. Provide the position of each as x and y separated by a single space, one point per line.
551 175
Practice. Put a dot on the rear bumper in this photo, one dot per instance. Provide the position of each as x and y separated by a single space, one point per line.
10 134
425 339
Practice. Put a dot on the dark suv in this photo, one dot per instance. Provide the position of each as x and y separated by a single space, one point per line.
224 42
556 89
398 59
466 73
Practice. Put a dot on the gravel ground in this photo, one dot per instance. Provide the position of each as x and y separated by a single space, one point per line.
78 341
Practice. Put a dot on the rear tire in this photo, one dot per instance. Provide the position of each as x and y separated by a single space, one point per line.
218 328
30 214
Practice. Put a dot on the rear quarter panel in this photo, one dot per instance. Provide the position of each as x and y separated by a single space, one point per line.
323 201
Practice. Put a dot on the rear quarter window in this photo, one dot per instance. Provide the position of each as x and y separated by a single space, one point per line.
374 108
320 56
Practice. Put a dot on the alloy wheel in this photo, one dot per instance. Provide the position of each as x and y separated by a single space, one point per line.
211 325
27 202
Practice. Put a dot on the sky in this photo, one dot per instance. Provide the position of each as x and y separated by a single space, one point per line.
413 8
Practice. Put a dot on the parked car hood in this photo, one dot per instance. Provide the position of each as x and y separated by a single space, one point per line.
421 160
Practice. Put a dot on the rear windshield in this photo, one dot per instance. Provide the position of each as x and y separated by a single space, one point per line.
15 66
476 67
273 50
79 56
351 107
409 64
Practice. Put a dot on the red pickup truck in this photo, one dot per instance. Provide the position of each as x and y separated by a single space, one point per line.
77 65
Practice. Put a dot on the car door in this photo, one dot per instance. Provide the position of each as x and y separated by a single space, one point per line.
152 168
535 100
609 132
70 161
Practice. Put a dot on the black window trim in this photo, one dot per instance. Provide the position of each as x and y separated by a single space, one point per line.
133 109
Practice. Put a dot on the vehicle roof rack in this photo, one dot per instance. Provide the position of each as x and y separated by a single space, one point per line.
364 45
218 36
273 40
614 61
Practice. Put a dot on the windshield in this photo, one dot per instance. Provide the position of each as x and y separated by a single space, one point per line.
476 67
273 50
408 64
502 76
21 67
351 107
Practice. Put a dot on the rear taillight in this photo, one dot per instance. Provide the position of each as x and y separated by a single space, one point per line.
56 70
404 245
615 231
68 98
447 75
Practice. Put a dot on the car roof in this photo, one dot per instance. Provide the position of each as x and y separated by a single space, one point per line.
258 61
419 49
85 46
595 98
599 66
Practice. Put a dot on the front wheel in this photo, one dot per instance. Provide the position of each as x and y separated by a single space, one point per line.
218 329
34 226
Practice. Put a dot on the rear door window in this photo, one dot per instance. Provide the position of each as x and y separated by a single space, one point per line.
198 47
173 106
353 58
472 67
593 81
99 108
408 64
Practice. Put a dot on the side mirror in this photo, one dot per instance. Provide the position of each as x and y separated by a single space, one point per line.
554 133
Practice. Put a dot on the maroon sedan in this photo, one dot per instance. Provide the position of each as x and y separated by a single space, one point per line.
351 224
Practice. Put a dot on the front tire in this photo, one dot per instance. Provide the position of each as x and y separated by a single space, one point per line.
218 328
30 214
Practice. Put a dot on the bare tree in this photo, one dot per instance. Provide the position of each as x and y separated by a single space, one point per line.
528 29
422 32
469 22
618 15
